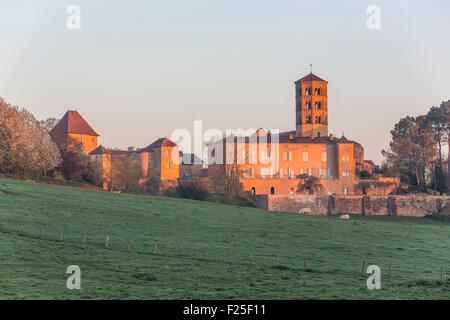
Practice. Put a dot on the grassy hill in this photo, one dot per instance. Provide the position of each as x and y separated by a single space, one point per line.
206 250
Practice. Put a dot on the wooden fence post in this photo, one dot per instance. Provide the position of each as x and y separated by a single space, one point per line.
61 236
278 260
155 247
107 242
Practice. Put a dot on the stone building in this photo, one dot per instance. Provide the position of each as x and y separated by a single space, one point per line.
160 160
272 163
73 129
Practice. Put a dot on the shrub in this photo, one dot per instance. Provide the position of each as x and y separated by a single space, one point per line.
192 190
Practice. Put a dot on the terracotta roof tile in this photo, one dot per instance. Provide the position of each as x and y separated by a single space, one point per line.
161 142
311 77
73 122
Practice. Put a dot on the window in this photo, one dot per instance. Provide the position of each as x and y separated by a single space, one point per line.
308 119
272 190
287 156
265 172
324 157
318 105
291 173
320 172
168 165
345 158
252 157
308 105
345 174
305 156
318 120
253 191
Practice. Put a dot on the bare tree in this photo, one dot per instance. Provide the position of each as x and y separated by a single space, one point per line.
309 184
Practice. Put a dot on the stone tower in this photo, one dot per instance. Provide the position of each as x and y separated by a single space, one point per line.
72 132
311 110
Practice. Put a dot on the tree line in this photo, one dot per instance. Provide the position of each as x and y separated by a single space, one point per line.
419 150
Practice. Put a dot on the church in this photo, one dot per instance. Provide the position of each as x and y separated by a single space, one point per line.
266 162
273 163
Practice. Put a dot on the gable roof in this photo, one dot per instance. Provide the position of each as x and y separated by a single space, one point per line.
102 150
311 77
161 142
73 122
289 137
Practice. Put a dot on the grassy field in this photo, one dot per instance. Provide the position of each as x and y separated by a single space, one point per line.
206 250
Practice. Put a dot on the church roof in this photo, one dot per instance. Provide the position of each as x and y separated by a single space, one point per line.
290 137
310 77
73 122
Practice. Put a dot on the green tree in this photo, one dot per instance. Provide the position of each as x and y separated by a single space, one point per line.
438 119
412 150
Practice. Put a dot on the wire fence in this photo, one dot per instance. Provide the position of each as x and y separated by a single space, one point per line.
220 252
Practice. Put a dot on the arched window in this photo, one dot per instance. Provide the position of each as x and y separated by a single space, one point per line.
253 191
272 190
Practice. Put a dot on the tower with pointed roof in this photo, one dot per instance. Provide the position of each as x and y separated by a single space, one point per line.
72 130
311 110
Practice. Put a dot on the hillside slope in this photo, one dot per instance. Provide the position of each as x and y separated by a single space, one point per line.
206 250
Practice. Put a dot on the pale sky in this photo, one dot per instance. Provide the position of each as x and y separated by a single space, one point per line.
137 70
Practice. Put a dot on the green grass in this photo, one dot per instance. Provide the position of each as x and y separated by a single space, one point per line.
34 260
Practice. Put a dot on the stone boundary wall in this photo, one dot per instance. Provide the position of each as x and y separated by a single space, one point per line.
404 206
